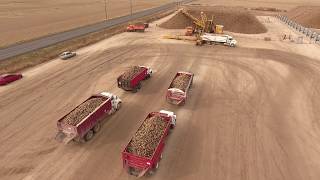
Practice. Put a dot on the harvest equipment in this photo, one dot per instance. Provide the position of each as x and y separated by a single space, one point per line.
144 151
204 31
131 79
178 90
85 120
202 25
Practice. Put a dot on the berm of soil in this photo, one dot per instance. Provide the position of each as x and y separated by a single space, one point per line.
238 20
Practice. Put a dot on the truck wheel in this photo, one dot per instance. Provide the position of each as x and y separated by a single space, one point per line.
118 106
129 170
89 135
182 103
97 128
139 86
153 170
135 90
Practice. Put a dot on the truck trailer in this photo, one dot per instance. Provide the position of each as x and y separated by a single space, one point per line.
177 92
131 79
209 38
84 121
142 159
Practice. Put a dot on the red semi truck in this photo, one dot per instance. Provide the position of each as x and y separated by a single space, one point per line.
176 95
88 122
134 83
138 165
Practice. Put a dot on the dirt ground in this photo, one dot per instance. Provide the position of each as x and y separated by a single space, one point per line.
253 111
25 20
308 16
279 4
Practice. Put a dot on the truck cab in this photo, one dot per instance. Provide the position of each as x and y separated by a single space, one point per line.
149 71
172 115
230 41
115 101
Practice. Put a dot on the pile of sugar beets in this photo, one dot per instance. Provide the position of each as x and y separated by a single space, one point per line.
131 72
147 137
83 110
181 82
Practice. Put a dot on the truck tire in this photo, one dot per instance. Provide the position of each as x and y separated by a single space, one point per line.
182 103
129 170
139 86
135 90
97 127
153 170
118 106
89 135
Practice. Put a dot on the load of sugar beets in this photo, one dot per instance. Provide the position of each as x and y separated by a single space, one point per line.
147 137
82 111
131 72
181 82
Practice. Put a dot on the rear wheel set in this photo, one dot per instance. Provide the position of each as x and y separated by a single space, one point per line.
92 132
89 135
137 88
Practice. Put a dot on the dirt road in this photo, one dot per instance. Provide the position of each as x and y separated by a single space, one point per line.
253 112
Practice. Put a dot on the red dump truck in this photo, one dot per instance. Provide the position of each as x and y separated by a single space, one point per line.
136 28
178 90
139 165
131 79
84 121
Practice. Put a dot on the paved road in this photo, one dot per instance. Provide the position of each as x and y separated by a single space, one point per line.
18 49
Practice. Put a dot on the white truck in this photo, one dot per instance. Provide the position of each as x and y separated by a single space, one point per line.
217 39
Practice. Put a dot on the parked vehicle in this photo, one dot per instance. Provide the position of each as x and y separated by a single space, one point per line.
8 78
136 28
131 79
84 121
217 39
139 165
67 55
178 90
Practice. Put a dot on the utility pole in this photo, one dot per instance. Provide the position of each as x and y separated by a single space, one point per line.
131 7
105 9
